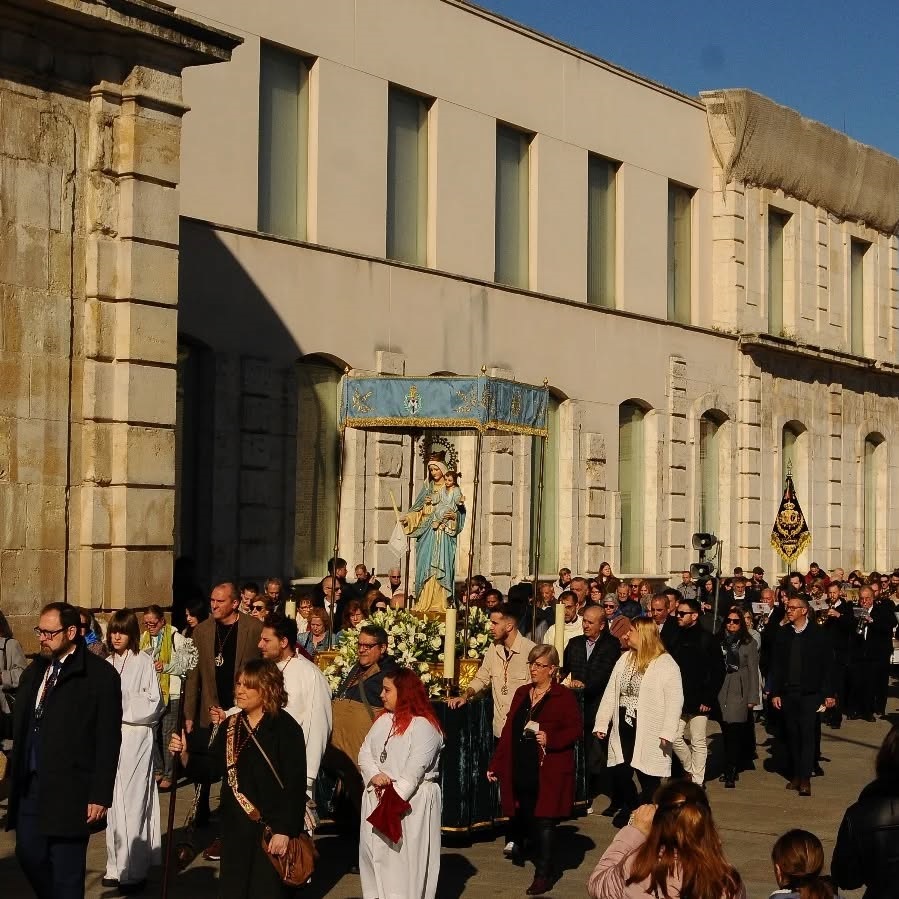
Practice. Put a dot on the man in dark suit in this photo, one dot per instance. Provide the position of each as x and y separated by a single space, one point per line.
870 648
839 625
589 659
67 734
659 608
801 665
224 641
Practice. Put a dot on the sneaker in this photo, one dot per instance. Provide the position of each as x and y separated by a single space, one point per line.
213 852
590 809
510 849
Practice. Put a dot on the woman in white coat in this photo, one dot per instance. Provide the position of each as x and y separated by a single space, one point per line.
639 712
402 748
133 835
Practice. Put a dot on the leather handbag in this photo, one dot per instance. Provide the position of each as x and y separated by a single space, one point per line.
295 867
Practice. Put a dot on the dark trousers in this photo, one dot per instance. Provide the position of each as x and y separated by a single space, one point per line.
55 866
840 680
799 718
624 793
540 836
880 671
862 693
739 744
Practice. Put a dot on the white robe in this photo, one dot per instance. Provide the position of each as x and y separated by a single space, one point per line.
408 869
309 704
133 835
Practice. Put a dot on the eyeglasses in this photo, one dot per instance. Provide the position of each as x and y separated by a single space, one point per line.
539 665
608 605
681 614
733 620
257 608
46 635
364 647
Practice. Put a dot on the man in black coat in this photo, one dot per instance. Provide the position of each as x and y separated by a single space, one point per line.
870 649
589 659
665 622
698 655
801 667
67 734
840 627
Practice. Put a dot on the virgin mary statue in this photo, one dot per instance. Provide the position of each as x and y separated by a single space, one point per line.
434 522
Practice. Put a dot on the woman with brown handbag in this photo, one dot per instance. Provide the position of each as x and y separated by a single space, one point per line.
262 756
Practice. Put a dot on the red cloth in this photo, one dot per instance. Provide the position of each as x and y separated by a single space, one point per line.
388 814
560 718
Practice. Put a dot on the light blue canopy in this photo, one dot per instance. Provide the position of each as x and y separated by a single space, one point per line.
479 403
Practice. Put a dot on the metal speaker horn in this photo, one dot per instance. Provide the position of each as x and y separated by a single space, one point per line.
701 571
704 542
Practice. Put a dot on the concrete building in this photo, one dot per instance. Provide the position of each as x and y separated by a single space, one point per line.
90 120
420 186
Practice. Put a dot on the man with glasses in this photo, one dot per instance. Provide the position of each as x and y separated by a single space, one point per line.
801 668
67 733
698 656
870 648
356 704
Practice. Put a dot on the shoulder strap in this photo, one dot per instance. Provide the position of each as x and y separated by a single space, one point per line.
267 759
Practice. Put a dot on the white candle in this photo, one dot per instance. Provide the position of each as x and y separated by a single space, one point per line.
449 646
559 633
290 608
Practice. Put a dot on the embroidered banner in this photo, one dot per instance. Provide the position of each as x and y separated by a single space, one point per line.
481 404
790 535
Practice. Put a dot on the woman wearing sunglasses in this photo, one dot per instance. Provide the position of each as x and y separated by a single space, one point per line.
534 764
739 692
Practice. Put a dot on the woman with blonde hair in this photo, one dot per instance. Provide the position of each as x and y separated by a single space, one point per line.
639 713
670 849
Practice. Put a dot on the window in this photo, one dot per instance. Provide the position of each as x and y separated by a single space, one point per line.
857 250
794 457
631 477
777 222
874 464
512 193
601 211
709 468
318 459
680 225
549 526
283 142
407 177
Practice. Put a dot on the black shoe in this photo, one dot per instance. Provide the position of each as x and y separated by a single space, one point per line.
867 718
622 816
610 810
730 784
131 889
109 882
817 771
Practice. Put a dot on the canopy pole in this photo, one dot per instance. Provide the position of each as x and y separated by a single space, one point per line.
407 599
471 536
342 433
537 529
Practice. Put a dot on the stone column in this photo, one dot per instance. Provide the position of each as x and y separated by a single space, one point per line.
675 549
749 465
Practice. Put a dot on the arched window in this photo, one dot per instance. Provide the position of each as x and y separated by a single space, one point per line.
709 470
794 456
549 526
631 485
873 498
318 458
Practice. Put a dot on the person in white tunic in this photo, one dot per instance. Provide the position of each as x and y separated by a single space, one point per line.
133 835
403 748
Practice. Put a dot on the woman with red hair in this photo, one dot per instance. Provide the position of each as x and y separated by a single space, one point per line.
402 751
669 849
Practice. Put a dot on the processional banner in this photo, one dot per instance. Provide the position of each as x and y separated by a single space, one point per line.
480 403
790 535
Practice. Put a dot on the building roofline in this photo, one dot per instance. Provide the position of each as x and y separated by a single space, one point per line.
576 52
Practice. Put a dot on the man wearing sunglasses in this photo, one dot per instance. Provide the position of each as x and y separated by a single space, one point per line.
801 670
66 734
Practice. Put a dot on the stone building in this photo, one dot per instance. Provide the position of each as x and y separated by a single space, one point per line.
90 121
421 186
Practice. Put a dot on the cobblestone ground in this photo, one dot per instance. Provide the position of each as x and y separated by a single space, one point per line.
749 817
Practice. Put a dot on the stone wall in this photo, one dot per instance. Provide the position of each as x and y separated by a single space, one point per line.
89 163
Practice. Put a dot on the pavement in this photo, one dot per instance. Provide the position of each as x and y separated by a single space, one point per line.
749 819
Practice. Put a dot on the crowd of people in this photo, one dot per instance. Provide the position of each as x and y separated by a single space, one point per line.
110 714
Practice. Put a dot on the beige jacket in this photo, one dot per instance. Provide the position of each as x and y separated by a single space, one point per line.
496 673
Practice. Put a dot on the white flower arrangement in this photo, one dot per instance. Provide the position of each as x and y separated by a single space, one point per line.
413 642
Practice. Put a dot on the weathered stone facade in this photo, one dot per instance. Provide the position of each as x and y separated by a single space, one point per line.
90 123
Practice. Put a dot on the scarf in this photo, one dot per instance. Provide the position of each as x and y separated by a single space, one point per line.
730 646
165 656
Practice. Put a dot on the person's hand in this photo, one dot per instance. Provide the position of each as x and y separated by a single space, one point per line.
643 817
178 746
492 777
216 714
380 780
540 737
95 812
456 702
599 735
664 744
775 701
158 665
404 521
188 725
576 684
705 709
277 845
830 702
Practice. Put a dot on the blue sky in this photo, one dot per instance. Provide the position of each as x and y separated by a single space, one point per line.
832 61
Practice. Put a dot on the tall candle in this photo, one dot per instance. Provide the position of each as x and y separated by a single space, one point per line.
290 608
449 646
559 633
